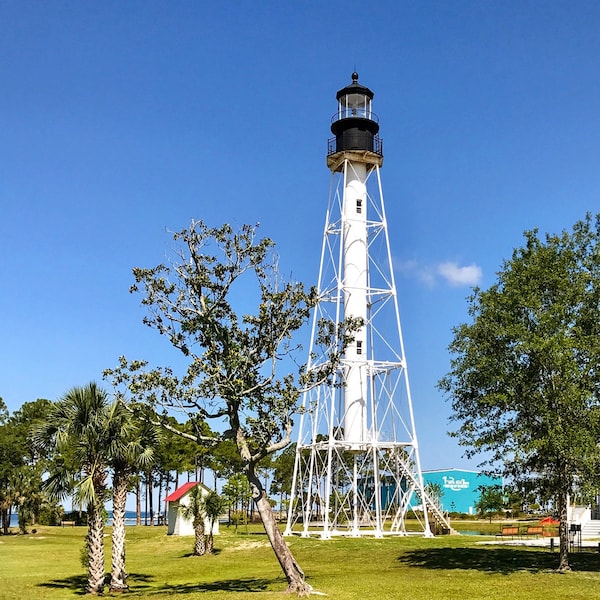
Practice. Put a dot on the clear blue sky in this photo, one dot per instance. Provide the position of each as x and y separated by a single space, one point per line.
119 120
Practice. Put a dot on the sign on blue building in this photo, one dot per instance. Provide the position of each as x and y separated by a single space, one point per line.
460 488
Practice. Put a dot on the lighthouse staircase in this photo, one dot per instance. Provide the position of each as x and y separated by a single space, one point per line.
433 509
587 518
591 529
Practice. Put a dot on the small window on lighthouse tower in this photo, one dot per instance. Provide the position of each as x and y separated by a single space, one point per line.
358 347
359 206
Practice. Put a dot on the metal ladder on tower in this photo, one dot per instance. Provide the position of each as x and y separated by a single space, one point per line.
428 504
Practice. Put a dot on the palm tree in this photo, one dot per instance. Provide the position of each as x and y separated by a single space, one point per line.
134 441
196 510
214 505
77 431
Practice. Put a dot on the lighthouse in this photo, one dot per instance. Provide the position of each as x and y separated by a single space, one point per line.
355 128
357 468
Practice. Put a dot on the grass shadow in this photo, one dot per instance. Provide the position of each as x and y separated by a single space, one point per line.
248 585
142 583
77 583
215 552
496 560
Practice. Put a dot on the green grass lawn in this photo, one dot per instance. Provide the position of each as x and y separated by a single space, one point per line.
47 565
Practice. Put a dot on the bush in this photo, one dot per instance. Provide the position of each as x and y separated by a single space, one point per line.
79 518
51 515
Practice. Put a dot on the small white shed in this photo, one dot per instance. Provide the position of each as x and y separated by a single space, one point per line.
177 523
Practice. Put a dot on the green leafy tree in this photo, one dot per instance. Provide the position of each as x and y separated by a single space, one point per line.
174 455
191 456
234 357
26 479
24 420
519 499
283 471
20 467
524 382
3 411
491 500
226 459
11 459
177 454
26 484
238 494
435 492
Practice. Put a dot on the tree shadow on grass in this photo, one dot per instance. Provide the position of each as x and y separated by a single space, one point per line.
215 552
496 560
248 585
142 583
77 583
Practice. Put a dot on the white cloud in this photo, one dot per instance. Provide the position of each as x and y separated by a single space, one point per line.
450 272
456 275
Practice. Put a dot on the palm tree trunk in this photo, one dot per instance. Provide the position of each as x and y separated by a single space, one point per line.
95 547
291 569
200 542
118 576
210 540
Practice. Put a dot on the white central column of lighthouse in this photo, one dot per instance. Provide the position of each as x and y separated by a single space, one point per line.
355 299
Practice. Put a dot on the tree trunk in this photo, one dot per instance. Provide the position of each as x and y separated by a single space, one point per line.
164 505
563 532
118 575
146 500
210 539
95 548
5 521
280 504
151 492
200 540
138 502
161 481
22 520
291 569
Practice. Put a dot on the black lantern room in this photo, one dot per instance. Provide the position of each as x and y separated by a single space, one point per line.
354 125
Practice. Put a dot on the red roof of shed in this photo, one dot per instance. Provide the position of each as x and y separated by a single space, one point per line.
181 491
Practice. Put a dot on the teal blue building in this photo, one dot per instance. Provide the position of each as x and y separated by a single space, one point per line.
459 487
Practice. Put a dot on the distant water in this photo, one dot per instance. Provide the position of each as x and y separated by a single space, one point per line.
130 518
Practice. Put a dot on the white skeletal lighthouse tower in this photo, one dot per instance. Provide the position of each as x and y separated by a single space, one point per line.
357 469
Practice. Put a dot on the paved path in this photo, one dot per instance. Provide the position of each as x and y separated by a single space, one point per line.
541 542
